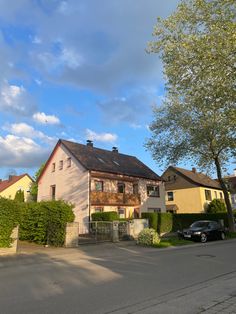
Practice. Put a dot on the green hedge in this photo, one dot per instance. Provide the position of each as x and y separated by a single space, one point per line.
45 222
105 216
9 218
166 222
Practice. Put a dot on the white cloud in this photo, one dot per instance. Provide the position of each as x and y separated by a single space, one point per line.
21 152
101 137
36 40
25 130
15 99
42 118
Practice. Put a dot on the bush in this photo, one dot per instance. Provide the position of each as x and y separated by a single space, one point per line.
148 237
152 218
19 197
45 222
216 206
9 218
105 216
164 222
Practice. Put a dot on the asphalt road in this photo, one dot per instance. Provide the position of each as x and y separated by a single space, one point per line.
119 278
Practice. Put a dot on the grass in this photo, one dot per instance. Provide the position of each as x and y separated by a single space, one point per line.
173 241
231 235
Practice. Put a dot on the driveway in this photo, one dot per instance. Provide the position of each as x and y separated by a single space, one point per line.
120 278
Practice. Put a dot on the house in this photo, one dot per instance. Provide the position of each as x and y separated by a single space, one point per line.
97 180
189 191
231 180
8 188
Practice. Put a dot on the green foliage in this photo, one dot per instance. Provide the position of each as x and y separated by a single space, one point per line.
152 218
148 237
19 197
9 218
45 222
105 216
166 222
197 118
34 185
216 206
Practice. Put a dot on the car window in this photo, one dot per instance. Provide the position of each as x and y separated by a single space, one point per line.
199 224
213 224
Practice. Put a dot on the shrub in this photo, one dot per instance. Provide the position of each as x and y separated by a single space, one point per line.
164 222
19 197
45 222
216 206
105 216
9 218
152 219
148 237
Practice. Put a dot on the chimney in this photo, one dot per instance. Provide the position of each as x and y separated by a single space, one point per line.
115 149
0 180
89 143
194 170
234 172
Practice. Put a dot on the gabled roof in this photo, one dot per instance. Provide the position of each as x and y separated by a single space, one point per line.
197 178
7 183
101 160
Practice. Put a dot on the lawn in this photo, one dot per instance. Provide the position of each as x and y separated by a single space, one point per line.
173 241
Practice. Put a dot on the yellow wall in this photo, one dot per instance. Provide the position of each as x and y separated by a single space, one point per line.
191 200
23 184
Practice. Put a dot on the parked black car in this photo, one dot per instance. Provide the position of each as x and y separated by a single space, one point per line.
203 231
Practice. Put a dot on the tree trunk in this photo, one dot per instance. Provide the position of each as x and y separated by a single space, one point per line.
226 196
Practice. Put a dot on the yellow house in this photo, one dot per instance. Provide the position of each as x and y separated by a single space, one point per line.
8 188
189 191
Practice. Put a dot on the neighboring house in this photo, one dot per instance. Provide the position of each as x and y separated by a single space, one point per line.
97 180
189 191
231 180
8 188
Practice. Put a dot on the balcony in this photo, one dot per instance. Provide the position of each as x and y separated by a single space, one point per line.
114 199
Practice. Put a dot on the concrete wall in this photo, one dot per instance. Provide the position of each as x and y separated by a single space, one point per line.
23 184
13 248
72 183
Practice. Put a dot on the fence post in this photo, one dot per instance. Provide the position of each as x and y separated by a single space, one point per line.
115 231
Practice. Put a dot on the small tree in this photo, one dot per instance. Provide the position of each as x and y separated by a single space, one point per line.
197 120
19 196
216 206
34 185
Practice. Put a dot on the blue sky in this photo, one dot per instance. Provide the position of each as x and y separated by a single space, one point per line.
77 70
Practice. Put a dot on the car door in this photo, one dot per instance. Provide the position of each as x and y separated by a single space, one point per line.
214 230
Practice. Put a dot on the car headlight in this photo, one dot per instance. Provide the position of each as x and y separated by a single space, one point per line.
197 232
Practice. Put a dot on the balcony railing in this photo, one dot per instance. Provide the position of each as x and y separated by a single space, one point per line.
116 199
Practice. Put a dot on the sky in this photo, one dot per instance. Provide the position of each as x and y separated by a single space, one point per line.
77 70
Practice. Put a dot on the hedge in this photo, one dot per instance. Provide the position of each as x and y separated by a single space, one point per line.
105 216
45 222
167 222
9 218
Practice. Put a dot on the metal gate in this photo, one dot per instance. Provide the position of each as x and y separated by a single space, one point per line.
94 232
123 230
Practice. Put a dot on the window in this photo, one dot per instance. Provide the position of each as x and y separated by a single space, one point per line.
98 209
154 210
153 190
98 185
135 188
221 195
60 164
121 212
170 196
53 192
208 195
53 167
120 187
215 194
68 162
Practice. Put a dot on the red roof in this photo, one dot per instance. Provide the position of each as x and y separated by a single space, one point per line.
13 179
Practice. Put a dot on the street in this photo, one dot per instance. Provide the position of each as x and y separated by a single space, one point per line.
120 278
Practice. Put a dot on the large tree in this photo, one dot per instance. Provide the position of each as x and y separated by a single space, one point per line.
197 119
34 185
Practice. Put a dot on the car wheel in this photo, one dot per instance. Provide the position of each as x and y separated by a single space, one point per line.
222 236
203 238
